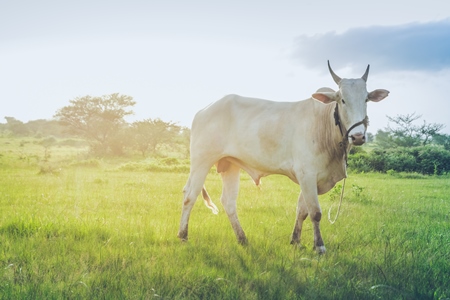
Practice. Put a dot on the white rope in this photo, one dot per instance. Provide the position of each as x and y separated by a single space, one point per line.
339 207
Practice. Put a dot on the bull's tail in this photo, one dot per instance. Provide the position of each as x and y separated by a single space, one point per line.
208 202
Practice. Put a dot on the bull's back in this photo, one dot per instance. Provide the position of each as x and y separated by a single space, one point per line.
248 128
237 116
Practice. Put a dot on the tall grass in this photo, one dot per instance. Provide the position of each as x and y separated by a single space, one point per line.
90 232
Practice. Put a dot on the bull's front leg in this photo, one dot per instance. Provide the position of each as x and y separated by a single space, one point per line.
302 213
311 202
319 246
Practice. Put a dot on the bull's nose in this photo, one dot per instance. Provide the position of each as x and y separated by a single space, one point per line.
358 139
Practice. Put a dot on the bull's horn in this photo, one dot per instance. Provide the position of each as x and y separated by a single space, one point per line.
336 78
366 74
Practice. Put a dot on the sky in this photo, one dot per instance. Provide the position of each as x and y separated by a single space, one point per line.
176 57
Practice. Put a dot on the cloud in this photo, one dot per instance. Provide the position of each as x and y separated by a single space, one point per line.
409 47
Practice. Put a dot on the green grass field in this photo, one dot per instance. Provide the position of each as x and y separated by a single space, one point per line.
74 228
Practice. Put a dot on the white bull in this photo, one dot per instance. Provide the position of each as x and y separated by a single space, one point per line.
307 141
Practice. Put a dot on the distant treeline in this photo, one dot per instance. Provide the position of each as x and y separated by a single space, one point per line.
405 147
427 160
100 121
148 137
36 128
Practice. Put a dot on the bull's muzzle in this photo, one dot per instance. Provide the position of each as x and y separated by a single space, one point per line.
358 139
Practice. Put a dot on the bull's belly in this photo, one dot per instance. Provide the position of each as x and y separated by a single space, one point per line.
326 179
256 171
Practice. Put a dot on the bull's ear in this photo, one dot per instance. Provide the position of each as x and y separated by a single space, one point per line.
377 95
325 97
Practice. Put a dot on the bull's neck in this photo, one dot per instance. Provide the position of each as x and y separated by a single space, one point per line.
329 132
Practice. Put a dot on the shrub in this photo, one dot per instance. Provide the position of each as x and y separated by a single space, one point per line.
170 161
427 160
400 161
359 162
433 160
360 195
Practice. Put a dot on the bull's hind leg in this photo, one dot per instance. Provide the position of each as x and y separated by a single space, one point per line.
230 178
191 191
302 213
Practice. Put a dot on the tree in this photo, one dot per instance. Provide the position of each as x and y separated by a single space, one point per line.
148 134
428 131
16 127
98 119
185 140
443 140
405 133
47 143
384 139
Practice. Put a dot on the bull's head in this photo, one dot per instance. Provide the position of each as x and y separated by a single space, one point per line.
352 98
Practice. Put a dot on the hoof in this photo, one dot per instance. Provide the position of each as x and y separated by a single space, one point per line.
182 235
295 242
320 250
243 241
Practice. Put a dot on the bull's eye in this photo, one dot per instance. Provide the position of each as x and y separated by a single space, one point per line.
343 101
